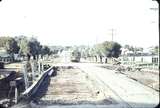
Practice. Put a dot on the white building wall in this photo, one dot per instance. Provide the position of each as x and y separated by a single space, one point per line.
145 59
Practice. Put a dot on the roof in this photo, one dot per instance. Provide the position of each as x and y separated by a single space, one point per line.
4 55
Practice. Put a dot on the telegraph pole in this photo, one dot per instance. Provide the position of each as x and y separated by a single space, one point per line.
112 34
96 39
112 30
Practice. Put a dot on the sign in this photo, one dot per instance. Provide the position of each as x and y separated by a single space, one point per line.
12 83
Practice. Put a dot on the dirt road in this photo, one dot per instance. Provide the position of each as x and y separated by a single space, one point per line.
133 93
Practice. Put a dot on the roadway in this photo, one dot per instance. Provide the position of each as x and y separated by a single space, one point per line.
128 92
131 92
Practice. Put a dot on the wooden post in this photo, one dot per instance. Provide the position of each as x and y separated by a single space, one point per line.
13 84
33 73
42 67
16 94
25 76
153 67
39 67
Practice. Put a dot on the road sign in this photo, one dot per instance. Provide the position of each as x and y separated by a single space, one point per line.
12 83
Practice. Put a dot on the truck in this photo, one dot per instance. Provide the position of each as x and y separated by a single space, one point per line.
75 56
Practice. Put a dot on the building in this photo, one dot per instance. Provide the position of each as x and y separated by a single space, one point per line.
4 57
139 57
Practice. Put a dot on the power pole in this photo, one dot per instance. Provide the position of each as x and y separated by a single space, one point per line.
112 33
112 30
96 39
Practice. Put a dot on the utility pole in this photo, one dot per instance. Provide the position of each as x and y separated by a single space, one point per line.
112 30
112 33
96 39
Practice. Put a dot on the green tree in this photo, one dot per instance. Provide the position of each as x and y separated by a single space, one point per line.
29 47
45 51
10 45
23 44
100 51
108 49
154 50
34 48
114 51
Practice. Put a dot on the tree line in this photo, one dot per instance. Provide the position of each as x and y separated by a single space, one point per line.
109 49
106 49
24 47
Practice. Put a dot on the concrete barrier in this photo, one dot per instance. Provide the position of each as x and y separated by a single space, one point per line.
33 88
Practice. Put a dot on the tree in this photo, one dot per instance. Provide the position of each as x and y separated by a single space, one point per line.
29 47
10 45
108 49
114 51
154 50
56 49
93 53
34 48
100 51
23 44
44 51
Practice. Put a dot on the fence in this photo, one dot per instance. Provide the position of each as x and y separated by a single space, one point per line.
33 88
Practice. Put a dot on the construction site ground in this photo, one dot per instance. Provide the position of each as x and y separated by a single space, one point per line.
73 87
88 85
146 77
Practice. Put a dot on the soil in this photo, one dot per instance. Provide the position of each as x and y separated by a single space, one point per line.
71 86
148 78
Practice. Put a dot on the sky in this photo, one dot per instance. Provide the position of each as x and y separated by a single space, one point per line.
77 22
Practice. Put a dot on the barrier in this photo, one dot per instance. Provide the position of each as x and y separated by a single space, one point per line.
33 88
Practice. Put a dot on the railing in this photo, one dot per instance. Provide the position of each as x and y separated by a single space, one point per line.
33 88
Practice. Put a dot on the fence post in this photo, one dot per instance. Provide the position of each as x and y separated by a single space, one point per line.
39 67
153 67
25 76
16 94
33 71
42 67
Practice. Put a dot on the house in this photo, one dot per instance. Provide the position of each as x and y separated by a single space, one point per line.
4 57
140 58
144 56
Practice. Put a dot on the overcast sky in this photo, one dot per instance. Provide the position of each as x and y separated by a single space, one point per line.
75 22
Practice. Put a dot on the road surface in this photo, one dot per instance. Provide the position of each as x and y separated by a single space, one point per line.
132 93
